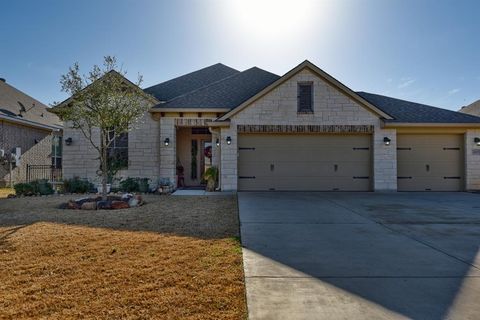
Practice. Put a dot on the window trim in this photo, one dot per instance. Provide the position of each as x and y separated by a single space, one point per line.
305 111
111 149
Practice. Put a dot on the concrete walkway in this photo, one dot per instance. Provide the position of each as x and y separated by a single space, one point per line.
361 255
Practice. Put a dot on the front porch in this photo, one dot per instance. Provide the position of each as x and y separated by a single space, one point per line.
187 149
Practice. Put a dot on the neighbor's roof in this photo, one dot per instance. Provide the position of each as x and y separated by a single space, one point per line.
227 93
189 82
21 108
411 112
473 109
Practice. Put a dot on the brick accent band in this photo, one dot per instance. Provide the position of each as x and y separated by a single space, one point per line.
192 122
305 128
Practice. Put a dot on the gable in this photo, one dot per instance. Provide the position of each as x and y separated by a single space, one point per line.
330 105
307 65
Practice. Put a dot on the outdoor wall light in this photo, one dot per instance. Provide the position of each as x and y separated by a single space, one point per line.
387 141
217 142
68 141
166 142
477 141
229 140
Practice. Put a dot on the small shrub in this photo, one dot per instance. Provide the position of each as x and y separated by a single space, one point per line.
143 185
134 185
41 187
77 185
129 185
23 189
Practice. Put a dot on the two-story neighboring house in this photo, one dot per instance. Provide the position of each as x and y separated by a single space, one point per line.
30 138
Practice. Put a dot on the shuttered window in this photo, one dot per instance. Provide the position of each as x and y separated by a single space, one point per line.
305 97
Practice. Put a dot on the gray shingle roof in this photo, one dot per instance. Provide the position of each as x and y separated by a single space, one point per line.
176 87
227 93
18 105
412 112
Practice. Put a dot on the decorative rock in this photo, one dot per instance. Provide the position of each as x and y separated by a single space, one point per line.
120 205
133 202
89 206
127 196
81 201
104 204
72 205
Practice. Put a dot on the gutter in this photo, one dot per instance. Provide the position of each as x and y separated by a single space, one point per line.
30 123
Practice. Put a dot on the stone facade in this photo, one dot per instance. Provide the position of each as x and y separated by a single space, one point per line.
472 160
330 108
333 112
80 159
36 148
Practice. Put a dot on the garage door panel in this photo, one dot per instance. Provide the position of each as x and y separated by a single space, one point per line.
305 168
434 169
430 184
308 184
425 154
304 162
430 162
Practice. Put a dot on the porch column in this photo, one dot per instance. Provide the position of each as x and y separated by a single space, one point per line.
384 160
472 161
228 159
168 153
215 149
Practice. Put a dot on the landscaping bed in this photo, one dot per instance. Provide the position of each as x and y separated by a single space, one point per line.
172 258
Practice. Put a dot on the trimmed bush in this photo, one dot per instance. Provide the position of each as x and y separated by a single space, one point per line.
77 185
134 185
37 187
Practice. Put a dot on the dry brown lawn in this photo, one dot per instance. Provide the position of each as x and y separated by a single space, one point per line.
174 258
4 192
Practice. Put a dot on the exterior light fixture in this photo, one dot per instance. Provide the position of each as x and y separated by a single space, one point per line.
68 141
387 141
229 140
217 143
166 142
477 141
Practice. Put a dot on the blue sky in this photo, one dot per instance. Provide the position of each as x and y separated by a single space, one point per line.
420 50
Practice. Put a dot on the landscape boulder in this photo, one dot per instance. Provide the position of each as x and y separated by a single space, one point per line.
120 205
104 204
89 205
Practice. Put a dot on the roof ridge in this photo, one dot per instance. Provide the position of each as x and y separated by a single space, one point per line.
189 73
213 83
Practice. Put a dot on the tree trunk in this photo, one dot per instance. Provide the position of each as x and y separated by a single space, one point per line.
103 161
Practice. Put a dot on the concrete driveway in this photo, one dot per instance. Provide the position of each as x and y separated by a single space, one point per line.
361 255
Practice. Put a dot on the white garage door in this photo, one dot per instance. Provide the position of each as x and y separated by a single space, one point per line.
316 162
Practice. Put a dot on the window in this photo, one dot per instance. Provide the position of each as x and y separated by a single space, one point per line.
57 151
305 97
118 151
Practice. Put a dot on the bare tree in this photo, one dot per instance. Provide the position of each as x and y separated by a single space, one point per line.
103 100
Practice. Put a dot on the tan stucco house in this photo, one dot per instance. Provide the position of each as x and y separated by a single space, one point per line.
304 130
30 138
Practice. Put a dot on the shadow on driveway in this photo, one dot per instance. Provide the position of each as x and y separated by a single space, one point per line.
361 255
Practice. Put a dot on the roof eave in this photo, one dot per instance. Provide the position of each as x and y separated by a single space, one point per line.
430 125
210 110
30 123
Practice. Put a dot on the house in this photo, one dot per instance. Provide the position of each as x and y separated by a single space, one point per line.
30 138
473 109
304 130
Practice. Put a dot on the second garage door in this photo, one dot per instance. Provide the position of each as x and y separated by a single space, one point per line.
430 162
304 162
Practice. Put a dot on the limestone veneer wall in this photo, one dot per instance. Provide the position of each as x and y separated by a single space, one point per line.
331 107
